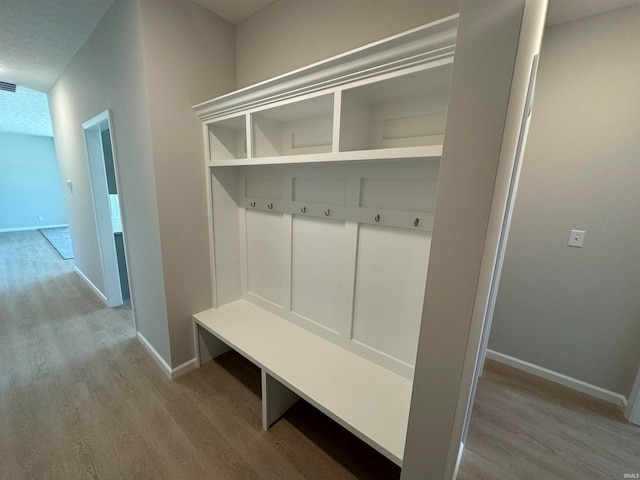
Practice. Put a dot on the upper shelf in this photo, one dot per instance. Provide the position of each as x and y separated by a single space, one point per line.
431 151
385 100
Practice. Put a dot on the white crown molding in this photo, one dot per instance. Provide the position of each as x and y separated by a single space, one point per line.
418 46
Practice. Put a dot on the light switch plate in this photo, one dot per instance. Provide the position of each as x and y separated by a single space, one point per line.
576 238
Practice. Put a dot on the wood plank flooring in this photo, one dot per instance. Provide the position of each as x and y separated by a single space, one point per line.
81 398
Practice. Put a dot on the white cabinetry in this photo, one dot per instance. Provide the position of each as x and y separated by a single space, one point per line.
323 186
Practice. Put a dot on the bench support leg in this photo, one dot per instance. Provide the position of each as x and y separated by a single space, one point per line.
276 400
207 345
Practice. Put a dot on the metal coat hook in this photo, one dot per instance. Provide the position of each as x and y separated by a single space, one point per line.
377 218
253 204
327 212
416 222
270 206
303 209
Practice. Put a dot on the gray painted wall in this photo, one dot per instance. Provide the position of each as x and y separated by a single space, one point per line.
189 57
290 34
577 311
107 73
30 185
149 62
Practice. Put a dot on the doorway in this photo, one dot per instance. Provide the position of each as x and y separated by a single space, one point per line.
106 202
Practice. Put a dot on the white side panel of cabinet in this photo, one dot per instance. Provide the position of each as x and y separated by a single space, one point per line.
318 270
265 255
267 136
354 125
496 44
391 274
226 238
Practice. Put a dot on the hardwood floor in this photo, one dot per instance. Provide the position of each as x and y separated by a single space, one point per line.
526 427
81 398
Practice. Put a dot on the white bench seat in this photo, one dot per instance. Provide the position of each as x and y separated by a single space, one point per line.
366 399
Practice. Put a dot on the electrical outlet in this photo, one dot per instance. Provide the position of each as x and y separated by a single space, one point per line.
41 218
576 238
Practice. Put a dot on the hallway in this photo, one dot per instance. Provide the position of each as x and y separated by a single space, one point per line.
81 398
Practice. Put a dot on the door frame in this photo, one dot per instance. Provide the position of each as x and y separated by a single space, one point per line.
632 412
100 198
477 176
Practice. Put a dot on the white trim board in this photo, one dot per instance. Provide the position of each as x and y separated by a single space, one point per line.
632 412
95 289
26 229
172 373
184 368
584 387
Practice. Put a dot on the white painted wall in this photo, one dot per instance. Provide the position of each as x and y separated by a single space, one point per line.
30 184
189 57
577 311
289 34
107 73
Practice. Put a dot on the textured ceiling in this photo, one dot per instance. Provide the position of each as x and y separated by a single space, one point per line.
40 37
25 111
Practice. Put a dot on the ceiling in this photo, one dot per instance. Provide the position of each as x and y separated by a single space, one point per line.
40 37
26 111
234 11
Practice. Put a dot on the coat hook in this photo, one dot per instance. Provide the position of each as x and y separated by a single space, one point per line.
377 218
303 209
270 206
416 222
253 204
327 212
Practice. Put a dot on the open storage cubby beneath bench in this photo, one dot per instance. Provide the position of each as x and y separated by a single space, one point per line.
322 187
366 399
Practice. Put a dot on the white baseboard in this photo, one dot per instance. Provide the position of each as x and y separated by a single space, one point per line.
584 387
26 229
154 353
172 373
95 289
184 368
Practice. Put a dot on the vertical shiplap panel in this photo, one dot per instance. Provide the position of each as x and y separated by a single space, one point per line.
265 255
317 271
390 279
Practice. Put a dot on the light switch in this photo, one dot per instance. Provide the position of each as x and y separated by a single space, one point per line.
69 184
576 238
